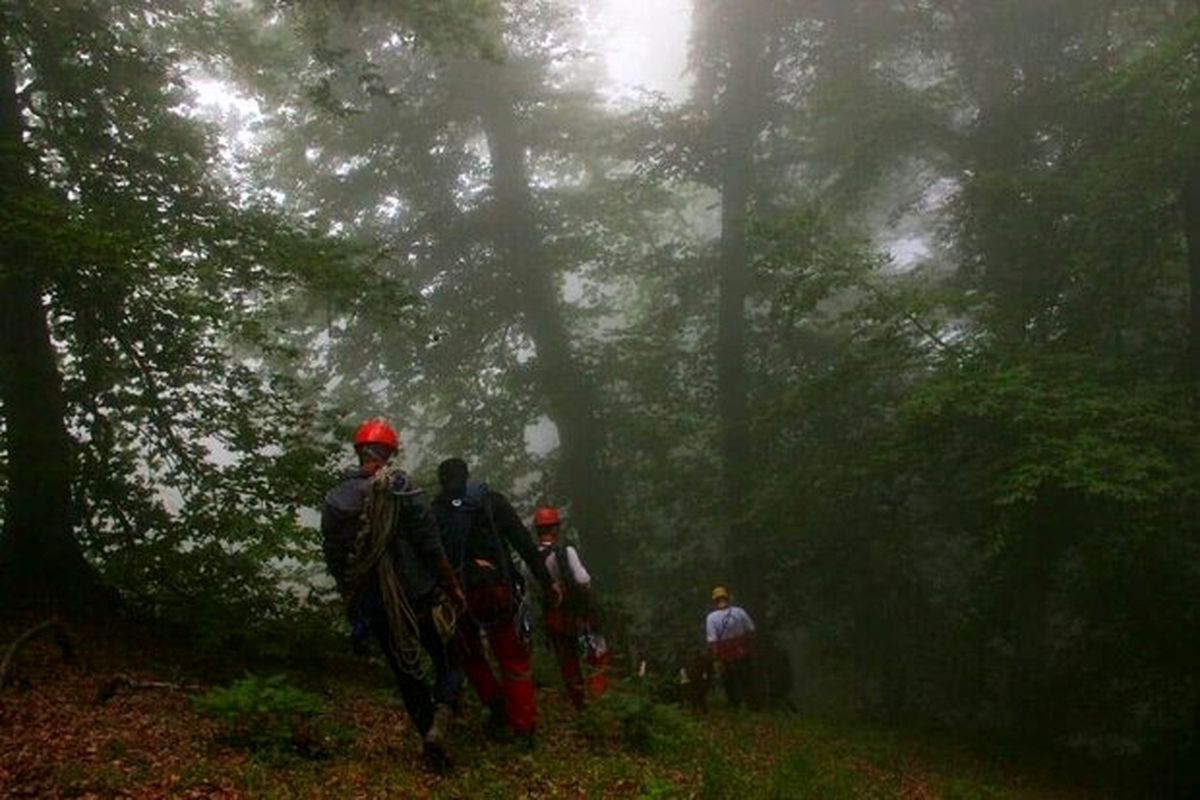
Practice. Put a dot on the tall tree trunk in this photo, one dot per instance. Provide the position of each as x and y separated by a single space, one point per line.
569 393
739 122
41 564
1191 229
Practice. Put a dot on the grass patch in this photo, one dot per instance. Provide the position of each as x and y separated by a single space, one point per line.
273 721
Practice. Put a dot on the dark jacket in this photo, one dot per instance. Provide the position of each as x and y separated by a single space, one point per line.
417 547
467 533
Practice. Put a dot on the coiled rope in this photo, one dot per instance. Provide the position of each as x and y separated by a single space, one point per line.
373 561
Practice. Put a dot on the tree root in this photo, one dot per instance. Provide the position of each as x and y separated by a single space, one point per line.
61 638
122 682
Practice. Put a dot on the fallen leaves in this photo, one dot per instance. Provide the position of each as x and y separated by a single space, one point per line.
56 740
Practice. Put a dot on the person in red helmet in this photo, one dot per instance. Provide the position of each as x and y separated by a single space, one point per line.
572 619
382 547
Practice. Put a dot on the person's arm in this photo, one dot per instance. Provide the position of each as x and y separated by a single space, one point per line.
749 622
339 531
582 579
710 631
514 532
335 546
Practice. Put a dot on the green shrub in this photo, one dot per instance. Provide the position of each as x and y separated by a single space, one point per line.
271 719
637 724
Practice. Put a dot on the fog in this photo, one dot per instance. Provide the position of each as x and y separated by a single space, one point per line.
881 314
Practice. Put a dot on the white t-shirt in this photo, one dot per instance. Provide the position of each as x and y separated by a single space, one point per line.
728 623
573 562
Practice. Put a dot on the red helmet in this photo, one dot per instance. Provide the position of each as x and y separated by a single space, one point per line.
376 431
545 516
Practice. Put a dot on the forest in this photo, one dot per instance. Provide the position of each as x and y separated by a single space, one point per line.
886 317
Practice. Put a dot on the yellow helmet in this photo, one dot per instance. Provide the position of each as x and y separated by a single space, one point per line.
720 593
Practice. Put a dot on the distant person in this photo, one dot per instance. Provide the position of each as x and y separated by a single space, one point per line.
730 635
383 550
574 617
479 527
694 679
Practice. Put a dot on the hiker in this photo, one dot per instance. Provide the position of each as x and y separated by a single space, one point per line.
574 618
694 678
478 528
383 550
730 635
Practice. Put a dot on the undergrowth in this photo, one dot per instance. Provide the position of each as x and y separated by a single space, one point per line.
635 723
272 720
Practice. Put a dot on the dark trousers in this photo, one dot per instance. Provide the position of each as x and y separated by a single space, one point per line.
418 696
738 679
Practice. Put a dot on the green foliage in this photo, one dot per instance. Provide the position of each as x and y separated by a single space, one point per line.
273 720
721 779
197 438
808 772
1044 424
638 724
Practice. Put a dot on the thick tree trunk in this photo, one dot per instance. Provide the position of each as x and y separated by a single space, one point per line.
567 388
739 123
41 564
1191 228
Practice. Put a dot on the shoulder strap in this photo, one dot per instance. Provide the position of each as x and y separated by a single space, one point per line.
725 622
501 547
565 573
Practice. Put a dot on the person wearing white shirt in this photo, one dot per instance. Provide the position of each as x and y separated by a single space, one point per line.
566 622
729 631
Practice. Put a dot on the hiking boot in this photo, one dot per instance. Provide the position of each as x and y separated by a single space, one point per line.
436 734
436 759
496 724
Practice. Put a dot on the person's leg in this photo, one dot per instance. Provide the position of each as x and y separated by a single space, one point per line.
513 656
741 682
475 664
418 701
729 677
567 652
447 666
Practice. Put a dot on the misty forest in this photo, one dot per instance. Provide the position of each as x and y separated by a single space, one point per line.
880 316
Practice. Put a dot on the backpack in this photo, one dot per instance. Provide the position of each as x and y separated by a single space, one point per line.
492 591
576 600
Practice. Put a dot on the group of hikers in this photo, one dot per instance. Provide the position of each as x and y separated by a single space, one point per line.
435 584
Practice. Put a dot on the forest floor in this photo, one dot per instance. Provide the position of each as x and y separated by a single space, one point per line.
58 738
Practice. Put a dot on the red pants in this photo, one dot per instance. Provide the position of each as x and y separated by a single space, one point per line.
516 683
563 630
566 649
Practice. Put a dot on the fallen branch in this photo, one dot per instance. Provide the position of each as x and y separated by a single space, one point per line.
60 638
117 683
